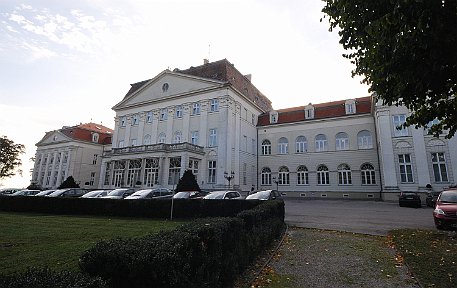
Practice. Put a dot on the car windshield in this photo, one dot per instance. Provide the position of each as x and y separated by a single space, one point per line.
140 193
449 197
263 195
57 192
117 192
93 193
22 192
182 195
215 195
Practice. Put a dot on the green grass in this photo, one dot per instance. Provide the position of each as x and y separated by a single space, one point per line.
34 240
431 255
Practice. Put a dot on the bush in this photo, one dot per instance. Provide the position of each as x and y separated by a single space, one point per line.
208 252
45 278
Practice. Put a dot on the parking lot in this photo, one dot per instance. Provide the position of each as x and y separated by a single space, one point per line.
367 217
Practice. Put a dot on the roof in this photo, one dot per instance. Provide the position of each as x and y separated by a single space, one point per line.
84 132
224 71
321 111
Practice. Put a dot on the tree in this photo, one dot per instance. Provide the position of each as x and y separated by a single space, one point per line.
406 51
187 182
9 157
68 183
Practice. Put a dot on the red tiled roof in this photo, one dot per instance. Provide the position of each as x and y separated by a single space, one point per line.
321 111
221 70
84 132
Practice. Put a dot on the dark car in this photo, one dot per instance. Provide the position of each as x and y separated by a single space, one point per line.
445 213
119 193
430 200
409 199
69 192
265 195
190 195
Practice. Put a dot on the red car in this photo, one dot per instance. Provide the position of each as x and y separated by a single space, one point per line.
445 213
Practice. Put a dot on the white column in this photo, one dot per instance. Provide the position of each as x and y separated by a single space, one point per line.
170 120
116 132
155 125
204 124
238 138
128 125
420 154
186 121
140 136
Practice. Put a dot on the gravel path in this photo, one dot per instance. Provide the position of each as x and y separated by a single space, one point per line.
322 258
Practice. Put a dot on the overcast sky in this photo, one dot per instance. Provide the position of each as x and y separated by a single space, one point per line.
66 62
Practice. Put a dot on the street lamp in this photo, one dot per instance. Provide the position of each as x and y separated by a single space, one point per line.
277 182
228 176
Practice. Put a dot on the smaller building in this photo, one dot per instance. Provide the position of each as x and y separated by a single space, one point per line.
71 151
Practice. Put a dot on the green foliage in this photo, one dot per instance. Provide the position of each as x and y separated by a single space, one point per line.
187 182
9 157
34 186
208 252
45 278
68 183
406 51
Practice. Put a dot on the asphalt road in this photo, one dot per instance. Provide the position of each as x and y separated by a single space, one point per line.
366 217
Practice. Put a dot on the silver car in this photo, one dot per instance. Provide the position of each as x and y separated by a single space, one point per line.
119 193
224 195
151 193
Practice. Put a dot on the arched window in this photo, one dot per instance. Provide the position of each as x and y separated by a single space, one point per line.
368 174
302 175
344 175
162 138
177 137
321 143
147 139
301 145
342 141
364 140
266 147
283 144
323 176
266 176
283 176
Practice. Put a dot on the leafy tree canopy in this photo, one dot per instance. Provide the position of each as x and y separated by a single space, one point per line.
68 183
187 182
9 157
406 50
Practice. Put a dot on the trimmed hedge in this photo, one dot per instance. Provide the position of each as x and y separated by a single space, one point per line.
45 278
147 208
208 252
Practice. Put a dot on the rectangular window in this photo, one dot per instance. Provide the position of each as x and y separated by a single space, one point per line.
406 168
94 160
212 141
174 170
196 109
321 145
214 106
121 144
439 167
194 137
149 117
302 178
193 166
163 114
92 178
178 111
342 143
398 121
133 142
151 172
211 171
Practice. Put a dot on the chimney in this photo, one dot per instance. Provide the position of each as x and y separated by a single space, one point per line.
248 76
205 61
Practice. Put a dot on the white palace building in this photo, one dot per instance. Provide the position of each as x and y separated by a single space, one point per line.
212 120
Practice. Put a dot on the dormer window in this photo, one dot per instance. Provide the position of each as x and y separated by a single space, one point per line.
273 117
309 111
350 106
95 137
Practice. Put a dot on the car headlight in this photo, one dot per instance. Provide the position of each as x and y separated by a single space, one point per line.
439 211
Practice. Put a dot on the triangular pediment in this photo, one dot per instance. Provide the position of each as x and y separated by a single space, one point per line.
167 85
54 137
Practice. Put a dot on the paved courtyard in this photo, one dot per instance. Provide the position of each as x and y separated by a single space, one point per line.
367 217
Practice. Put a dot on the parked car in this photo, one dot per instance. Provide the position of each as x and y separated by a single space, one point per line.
25 192
69 192
8 191
119 193
96 194
224 195
409 199
190 195
445 213
151 193
265 195
430 200
44 193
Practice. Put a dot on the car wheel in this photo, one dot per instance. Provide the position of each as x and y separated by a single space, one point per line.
439 227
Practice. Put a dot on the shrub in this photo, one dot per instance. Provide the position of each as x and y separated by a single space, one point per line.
45 278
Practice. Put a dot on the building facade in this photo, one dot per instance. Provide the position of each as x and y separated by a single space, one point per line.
203 119
71 151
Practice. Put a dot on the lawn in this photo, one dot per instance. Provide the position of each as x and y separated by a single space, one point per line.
35 240
431 255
